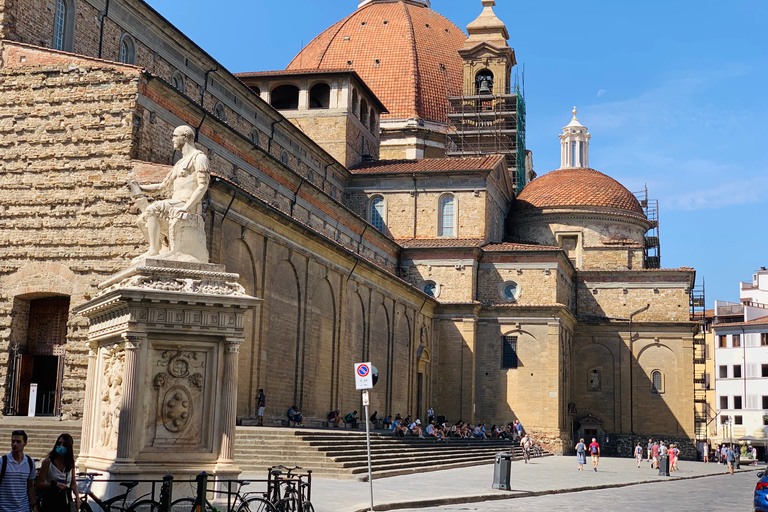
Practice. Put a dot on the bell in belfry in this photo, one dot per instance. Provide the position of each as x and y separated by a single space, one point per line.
486 86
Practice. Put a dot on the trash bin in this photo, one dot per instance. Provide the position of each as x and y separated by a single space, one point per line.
502 469
664 465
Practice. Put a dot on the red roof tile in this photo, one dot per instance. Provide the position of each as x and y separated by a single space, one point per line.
576 187
428 243
406 53
484 163
514 246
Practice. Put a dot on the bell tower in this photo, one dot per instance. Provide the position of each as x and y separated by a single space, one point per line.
488 59
489 118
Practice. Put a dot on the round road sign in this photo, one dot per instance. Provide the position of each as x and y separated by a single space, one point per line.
363 370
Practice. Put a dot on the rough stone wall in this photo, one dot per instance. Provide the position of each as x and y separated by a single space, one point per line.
65 220
455 281
537 286
615 258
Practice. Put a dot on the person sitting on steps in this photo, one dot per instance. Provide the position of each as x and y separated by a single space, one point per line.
334 418
294 414
351 419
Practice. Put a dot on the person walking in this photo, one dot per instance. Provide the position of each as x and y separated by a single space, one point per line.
650 448
705 452
639 454
525 442
655 456
57 476
730 457
594 450
261 404
581 454
17 477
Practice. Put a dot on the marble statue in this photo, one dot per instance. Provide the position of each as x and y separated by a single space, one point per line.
174 227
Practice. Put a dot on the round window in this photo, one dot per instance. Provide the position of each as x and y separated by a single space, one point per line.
431 288
509 291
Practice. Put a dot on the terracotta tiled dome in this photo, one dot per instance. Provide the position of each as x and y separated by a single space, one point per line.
406 53
577 187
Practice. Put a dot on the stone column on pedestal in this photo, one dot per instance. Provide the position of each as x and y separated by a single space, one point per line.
90 380
129 404
229 400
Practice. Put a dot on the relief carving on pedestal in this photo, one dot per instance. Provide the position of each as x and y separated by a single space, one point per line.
111 394
179 406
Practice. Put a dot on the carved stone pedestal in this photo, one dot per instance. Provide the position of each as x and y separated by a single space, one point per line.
162 376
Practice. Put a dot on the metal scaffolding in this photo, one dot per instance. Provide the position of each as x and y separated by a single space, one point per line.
702 414
652 245
492 124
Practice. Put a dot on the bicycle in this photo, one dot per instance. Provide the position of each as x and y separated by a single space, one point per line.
116 503
296 496
247 502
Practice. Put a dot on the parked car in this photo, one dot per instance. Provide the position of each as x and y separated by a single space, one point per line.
761 493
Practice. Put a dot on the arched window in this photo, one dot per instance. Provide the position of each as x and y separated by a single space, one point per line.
320 96
219 111
378 213
177 81
127 49
64 25
657 382
255 136
484 82
355 103
284 157
447 216
285 97
364 112
373 122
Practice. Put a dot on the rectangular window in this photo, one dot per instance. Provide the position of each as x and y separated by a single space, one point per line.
737 402
723 402
765 370
737 371
765 402
723 372
736 340
738 420
764 339
707 352
723 419
765 420
509 352
722 341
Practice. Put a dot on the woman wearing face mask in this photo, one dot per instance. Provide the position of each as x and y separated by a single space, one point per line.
57 476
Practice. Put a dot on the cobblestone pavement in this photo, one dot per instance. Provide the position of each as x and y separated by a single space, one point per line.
717 493
551 474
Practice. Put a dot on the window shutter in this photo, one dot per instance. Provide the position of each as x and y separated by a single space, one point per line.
753 402
752 370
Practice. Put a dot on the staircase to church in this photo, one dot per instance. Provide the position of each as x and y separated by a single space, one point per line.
341 453
41 434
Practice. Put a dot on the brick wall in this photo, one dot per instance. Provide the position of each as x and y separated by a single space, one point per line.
65 220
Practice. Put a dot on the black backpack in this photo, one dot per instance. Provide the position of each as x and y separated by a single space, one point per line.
30 460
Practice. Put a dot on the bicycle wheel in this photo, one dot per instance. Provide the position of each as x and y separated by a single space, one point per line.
183 505
145 506
256 505
85 507
308 507
188 505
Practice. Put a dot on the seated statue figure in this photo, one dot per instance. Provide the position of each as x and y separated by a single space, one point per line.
174 228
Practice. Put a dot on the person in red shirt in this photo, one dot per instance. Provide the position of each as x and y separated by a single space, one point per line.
594 450
655 455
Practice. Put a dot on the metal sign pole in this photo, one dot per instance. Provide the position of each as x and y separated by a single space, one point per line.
366 401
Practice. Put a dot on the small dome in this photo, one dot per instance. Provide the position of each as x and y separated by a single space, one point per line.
403 50
577 188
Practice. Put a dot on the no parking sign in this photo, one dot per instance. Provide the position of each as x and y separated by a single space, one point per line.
363 376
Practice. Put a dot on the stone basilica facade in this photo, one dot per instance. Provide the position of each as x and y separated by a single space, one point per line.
473 287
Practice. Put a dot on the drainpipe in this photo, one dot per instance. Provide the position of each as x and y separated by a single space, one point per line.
101 29
415 199
631 372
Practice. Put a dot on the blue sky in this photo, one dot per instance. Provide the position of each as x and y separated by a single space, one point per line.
672 91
